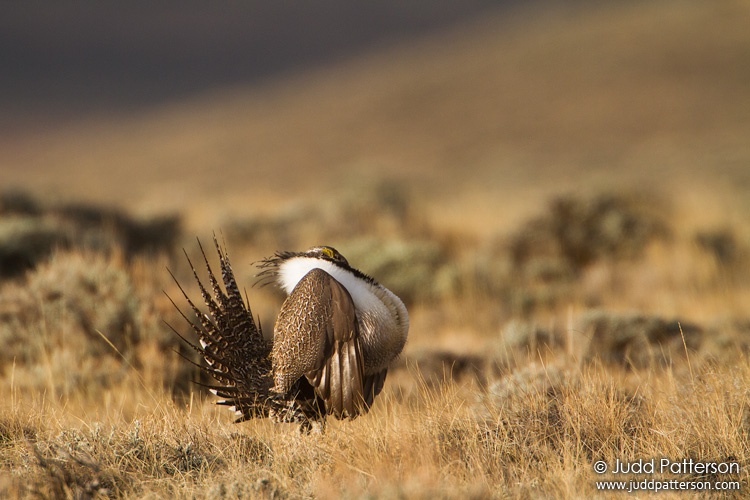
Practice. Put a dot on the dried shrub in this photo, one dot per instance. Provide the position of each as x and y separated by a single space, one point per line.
729 251
49 324
533 379
30 232
580 231
529 336
107 229
416 271
722 244
436 367
18 202
638 340
382 208
90 293
541 262
25 241
71 475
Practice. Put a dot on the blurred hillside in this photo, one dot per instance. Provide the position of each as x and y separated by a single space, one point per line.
491 116
64 61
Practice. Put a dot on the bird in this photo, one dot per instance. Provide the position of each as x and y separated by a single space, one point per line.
336 335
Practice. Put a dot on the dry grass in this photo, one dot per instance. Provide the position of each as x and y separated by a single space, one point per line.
446 441
489 399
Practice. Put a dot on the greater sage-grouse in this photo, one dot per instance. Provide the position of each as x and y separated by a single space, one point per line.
335 337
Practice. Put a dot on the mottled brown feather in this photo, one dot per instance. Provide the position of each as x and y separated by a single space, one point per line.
322 344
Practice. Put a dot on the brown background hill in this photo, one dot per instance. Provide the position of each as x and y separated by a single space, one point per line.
492 114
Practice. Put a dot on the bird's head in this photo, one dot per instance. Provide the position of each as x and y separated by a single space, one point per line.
326 253
287 268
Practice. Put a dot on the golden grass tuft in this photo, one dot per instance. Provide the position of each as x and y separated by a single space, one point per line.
445 441
488 399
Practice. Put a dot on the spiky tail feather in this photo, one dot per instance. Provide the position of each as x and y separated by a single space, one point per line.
237 355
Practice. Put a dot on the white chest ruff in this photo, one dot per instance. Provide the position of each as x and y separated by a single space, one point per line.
382 317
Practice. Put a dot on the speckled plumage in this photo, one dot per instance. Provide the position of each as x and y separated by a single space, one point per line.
234 348
334 338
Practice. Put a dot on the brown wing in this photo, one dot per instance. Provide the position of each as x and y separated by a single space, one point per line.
316 336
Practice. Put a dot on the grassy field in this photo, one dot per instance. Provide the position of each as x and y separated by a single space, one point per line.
561 196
